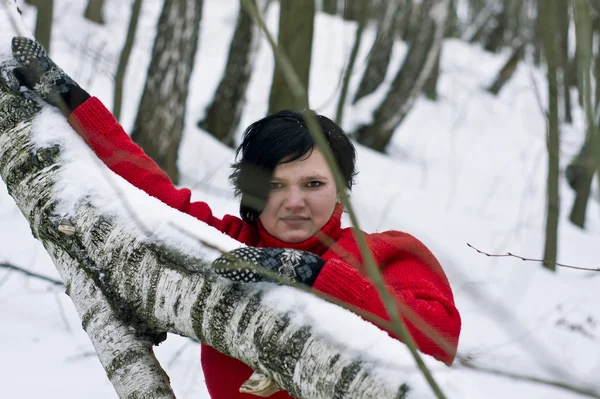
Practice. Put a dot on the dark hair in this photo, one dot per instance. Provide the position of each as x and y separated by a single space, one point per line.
280 138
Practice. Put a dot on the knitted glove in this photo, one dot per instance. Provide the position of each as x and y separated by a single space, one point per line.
245 264
42 76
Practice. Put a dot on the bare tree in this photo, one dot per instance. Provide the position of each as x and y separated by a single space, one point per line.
95 11
410 79
296 25
124 58
580 171
161 114
223 114
553 141
381 52
330 7
362 22
564 58
508 69
43 22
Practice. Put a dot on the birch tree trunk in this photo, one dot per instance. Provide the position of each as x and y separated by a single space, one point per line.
156 288
410 79
161 114
29 174
223 114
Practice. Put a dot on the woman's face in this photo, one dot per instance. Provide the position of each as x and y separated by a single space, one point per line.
302 198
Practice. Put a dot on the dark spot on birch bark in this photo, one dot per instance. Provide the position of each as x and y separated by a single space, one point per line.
199 308
348 374
222 314
252 307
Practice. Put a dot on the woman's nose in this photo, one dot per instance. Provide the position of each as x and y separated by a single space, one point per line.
294 199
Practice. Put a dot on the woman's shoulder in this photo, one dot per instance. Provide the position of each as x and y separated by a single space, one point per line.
386 244
393 237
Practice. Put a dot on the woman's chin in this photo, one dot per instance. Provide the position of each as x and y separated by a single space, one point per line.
294 237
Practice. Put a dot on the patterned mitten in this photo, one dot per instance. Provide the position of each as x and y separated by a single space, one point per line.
245 264
41 75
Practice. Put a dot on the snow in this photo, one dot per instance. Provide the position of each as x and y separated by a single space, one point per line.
469 168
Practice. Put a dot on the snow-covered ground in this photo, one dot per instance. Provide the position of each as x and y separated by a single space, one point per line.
469 168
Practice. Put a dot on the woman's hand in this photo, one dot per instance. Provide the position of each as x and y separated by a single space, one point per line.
251 264
42 76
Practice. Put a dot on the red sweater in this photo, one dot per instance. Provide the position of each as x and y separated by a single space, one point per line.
410 270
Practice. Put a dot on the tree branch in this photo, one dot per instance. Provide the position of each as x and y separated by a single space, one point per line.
530 378
511 255
27 273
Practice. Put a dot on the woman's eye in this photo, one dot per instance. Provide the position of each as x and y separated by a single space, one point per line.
275 185
314 184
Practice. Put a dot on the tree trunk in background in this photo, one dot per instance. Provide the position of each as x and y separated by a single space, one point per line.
553 140
347 73
430 87
127 288
564 59
453 28
330 7
352 10
580 171
223 114
507 70
94 11
43 22
408 83
507 26
514 21
538 38
124 58
495 39
411 14
161 115
296 26
480 20
381 52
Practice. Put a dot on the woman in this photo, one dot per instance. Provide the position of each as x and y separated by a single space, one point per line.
290 216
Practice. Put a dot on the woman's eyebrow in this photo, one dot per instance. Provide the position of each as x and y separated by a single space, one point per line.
315 177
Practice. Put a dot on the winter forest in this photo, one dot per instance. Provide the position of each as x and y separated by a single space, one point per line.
477 130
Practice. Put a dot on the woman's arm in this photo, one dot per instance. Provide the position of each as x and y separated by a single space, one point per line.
106 137
415 279
109 141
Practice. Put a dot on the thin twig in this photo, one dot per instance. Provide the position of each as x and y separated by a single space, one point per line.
390 305
511 255
529 378
31 274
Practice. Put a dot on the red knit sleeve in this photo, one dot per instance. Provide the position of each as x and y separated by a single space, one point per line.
115 148
415 279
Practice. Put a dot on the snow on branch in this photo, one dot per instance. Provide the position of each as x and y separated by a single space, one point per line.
155 279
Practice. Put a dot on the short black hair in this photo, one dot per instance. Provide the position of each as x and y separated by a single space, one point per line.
279 138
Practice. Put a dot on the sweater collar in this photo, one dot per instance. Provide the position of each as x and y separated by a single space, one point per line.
317 244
